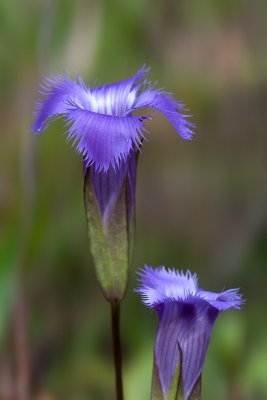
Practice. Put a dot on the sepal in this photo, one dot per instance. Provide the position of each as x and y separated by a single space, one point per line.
109 238
174 392
156 388
196 392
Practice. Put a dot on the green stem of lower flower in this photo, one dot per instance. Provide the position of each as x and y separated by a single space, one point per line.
115 317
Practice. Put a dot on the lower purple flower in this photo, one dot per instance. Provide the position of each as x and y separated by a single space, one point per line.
186 316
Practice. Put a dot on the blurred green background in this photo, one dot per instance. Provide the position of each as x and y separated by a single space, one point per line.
200 204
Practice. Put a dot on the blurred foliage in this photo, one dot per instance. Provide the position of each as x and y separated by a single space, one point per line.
200 205
8 281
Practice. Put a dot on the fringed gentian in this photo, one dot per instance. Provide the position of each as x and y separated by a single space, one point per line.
186 316
103 128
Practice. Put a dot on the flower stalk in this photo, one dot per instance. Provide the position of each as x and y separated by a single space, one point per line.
117 353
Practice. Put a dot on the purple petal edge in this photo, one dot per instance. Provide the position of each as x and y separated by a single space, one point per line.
161 285
54 100
104 140
170 108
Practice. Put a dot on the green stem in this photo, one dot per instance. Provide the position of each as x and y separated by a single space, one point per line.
115 317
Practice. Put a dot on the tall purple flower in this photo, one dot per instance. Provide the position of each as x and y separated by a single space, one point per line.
102 126
186 316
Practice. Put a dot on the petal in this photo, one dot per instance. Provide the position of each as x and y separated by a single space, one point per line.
194 338
104 140
224 300
56 94
166 351
160 284
183 337
169 107
118 98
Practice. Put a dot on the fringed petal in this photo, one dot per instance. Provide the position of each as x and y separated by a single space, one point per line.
102 122
55 94
169 107
224 300
104 140
160 285
163 285
118 98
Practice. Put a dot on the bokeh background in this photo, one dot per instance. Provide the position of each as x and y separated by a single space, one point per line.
200 204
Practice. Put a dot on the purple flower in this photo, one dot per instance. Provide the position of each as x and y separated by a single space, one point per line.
100 120
102 126
186 316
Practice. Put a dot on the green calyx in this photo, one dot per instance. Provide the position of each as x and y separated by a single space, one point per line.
110 242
